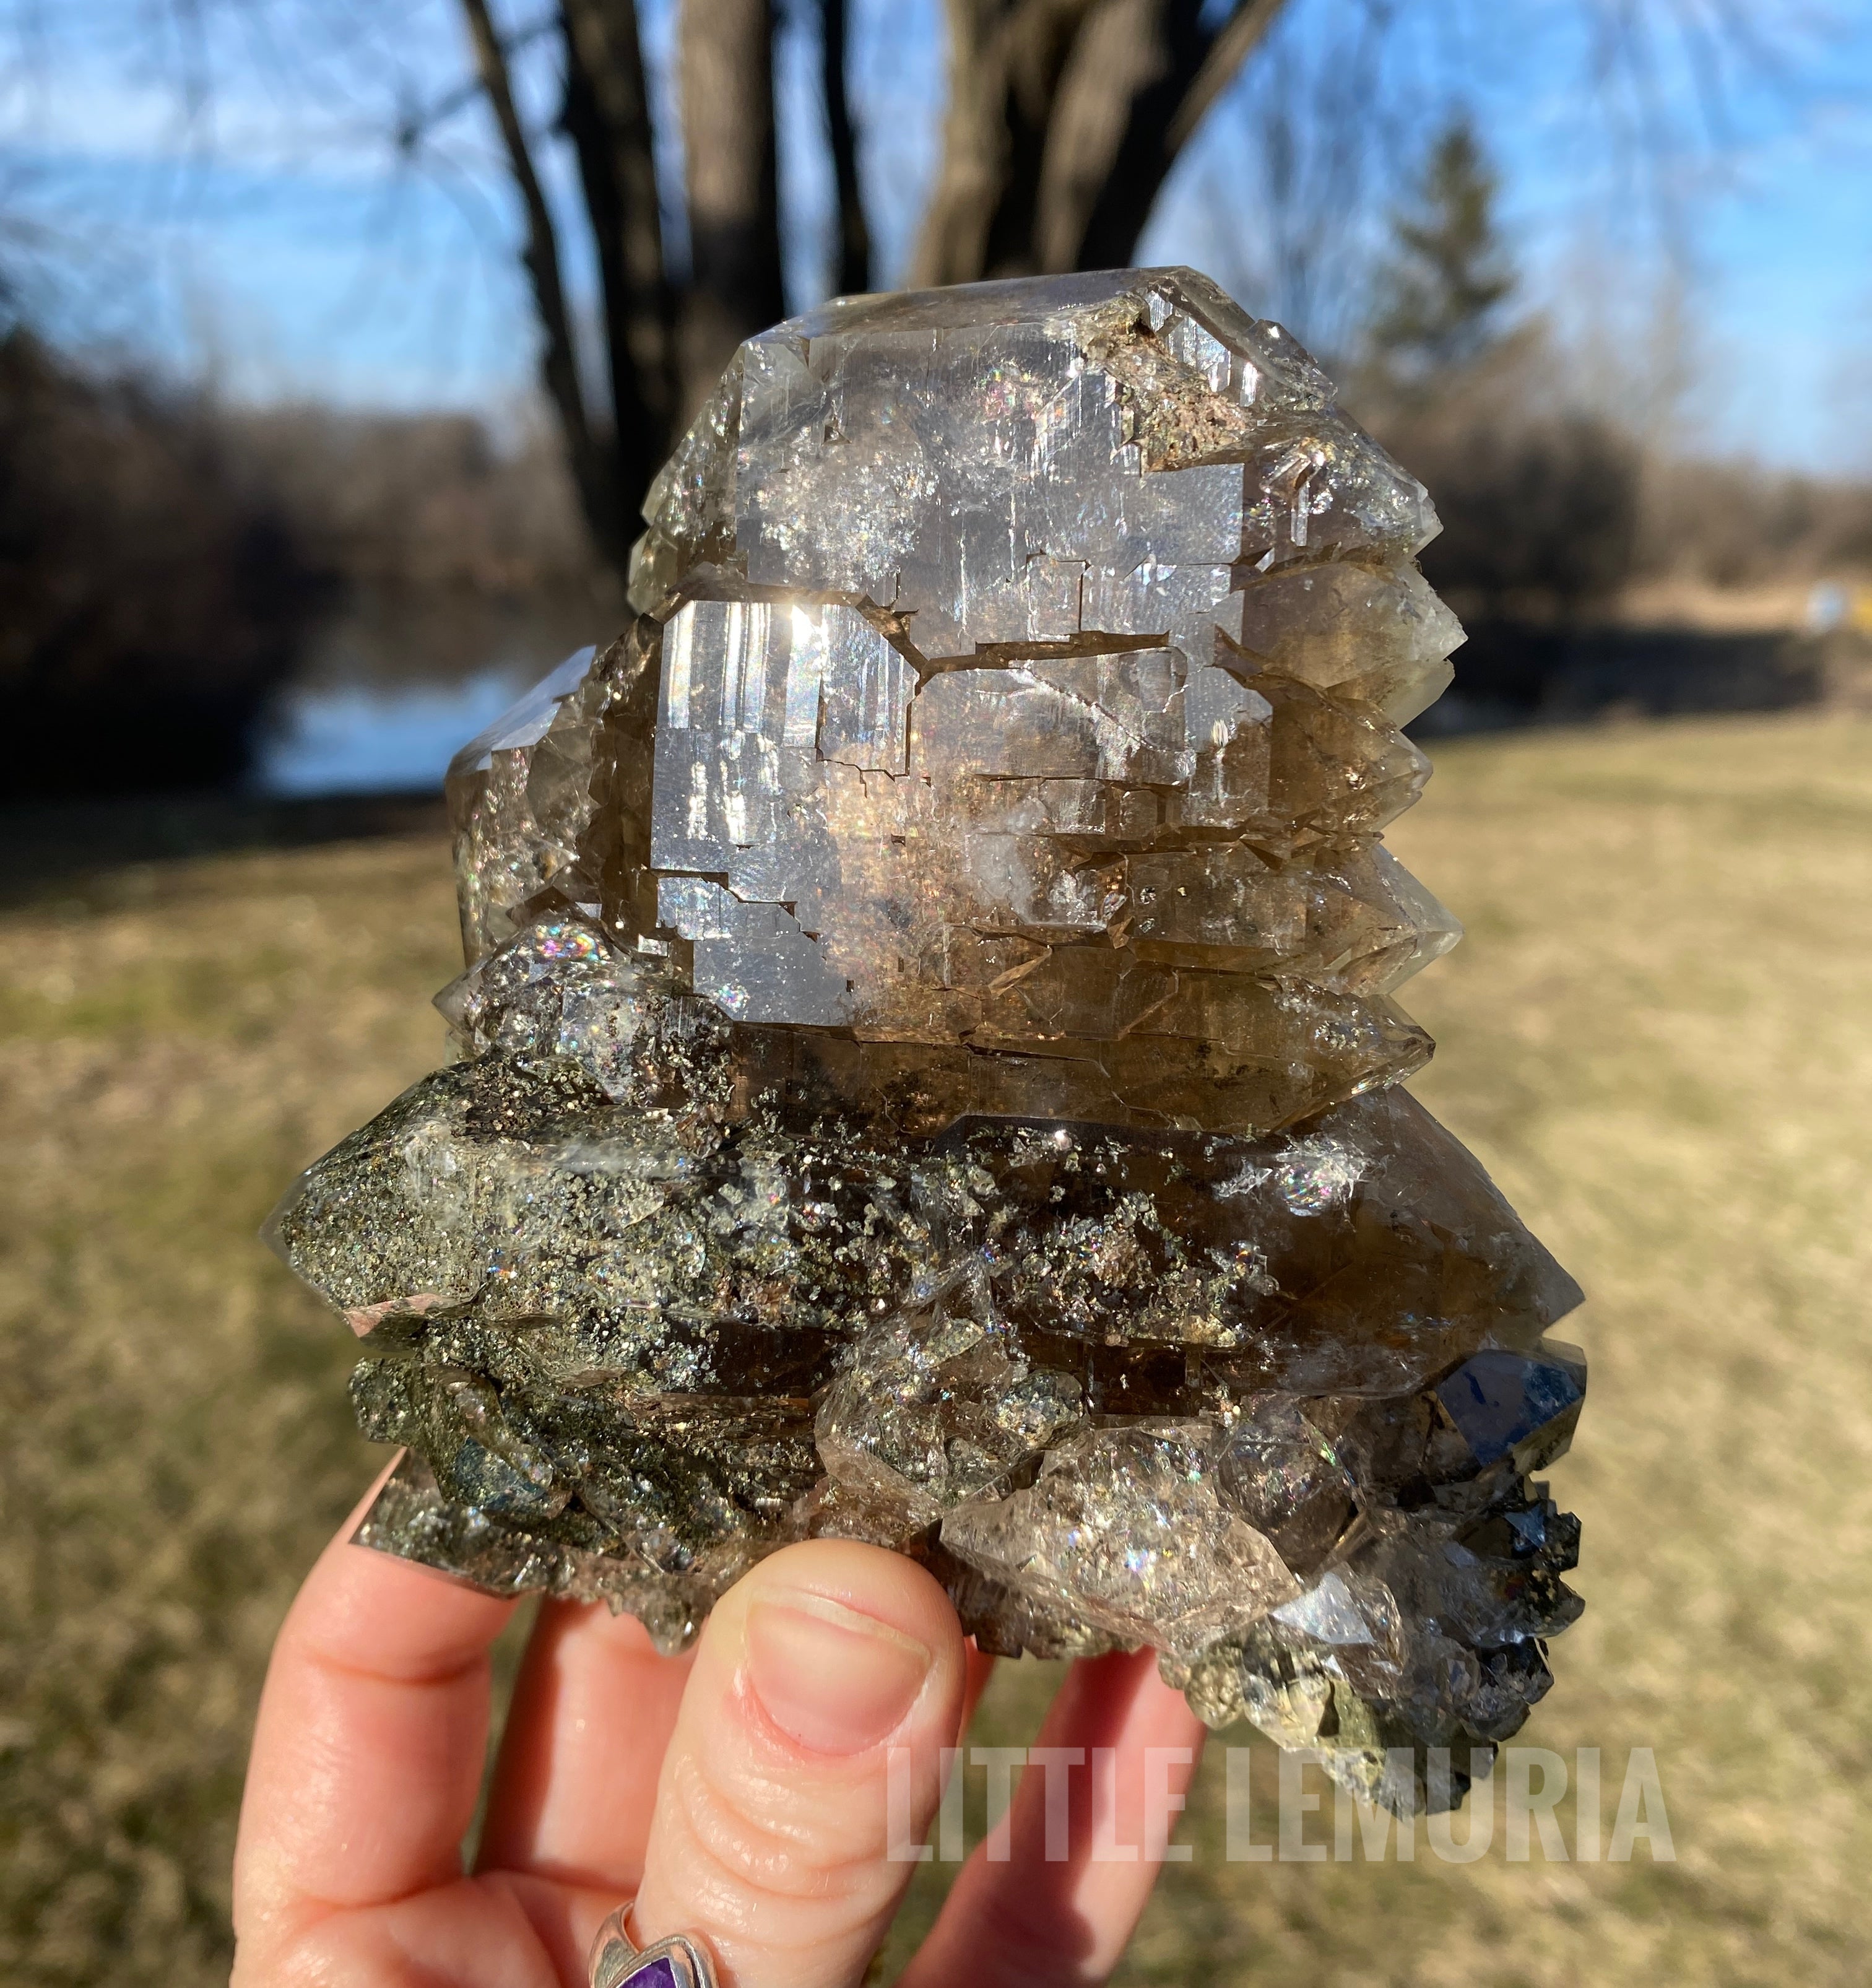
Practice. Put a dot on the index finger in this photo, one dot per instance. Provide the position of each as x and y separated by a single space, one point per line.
1058 1904
367 1751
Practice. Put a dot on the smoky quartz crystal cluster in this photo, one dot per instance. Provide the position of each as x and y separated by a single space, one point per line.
928 1069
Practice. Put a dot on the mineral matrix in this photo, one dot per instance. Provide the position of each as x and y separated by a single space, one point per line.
926 1068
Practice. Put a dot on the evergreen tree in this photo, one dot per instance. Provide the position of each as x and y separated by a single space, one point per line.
1440 290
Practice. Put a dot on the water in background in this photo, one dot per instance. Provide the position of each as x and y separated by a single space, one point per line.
397 681
395 684
354 738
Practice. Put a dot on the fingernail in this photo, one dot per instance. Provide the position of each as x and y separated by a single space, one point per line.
836 1681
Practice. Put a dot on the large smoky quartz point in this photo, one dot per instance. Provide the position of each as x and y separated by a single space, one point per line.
928 1068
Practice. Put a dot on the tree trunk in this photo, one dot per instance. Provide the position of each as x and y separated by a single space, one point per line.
1117 55
592 466
1065 117
725 50
607 118
1189 67
853 273
1005 59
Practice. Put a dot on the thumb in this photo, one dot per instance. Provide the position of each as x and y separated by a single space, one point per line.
829 1671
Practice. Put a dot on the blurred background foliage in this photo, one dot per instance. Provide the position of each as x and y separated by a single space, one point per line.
337 344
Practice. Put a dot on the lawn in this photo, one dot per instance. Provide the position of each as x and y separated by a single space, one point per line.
1657 1036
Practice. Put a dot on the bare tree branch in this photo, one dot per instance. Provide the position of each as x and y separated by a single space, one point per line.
607 119
725 50
1115 57
1192 66
1006 58
854 263
1065 116
559 365
415 122
1039 41
951 242
1236 39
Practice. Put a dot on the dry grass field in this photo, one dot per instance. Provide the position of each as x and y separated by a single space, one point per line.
1659 1037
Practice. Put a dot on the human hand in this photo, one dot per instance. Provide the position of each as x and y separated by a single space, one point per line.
738 1792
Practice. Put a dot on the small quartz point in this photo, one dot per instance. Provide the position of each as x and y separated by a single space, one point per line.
927 1069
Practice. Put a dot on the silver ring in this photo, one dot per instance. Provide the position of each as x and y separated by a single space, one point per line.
681 1961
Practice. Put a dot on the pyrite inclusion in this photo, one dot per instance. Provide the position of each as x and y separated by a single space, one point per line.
927 1059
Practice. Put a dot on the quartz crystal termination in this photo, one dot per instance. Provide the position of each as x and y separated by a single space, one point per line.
927 1068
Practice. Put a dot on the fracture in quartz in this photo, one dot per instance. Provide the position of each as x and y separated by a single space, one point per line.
927 1069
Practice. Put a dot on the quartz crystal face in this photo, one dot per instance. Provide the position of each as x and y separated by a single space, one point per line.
927 1066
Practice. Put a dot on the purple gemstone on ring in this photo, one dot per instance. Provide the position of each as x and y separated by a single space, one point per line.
658 1973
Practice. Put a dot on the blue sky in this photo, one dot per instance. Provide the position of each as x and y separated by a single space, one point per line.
271 237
